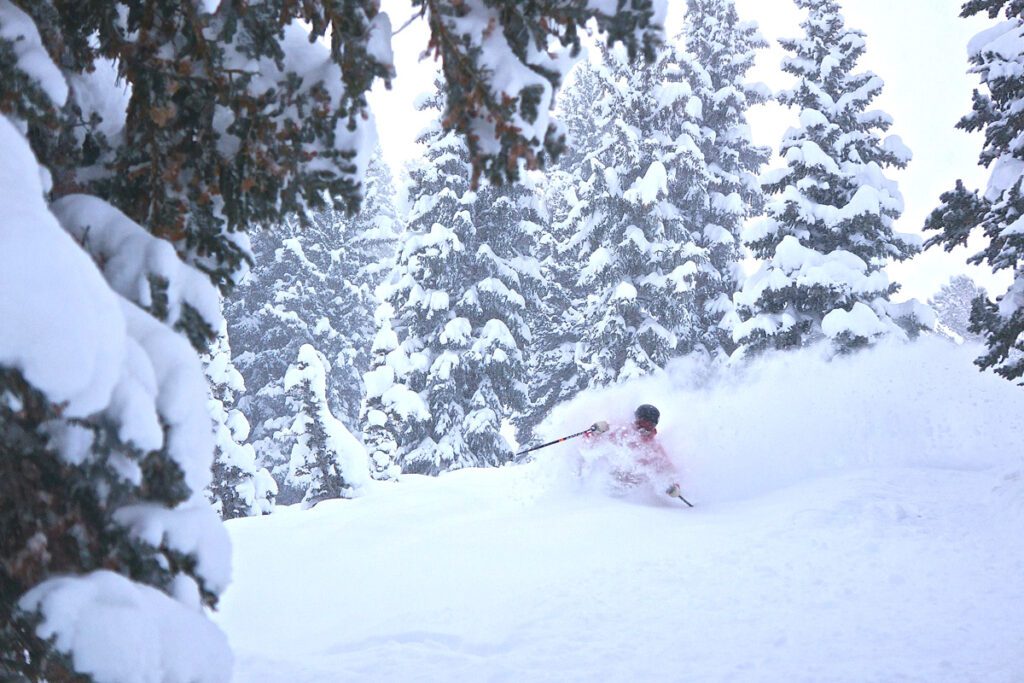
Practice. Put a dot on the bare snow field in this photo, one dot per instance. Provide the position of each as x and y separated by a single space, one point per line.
854 529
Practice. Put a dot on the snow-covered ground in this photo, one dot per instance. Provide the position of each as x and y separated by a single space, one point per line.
856 521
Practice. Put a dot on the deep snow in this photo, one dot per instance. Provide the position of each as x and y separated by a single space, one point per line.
856 521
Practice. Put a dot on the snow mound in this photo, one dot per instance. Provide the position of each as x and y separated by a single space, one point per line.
120 631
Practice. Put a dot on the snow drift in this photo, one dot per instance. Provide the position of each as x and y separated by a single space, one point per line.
738 432
844 531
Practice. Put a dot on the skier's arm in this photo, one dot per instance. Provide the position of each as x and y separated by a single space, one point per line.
667 468
659 461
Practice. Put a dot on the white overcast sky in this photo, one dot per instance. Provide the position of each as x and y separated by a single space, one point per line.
918 47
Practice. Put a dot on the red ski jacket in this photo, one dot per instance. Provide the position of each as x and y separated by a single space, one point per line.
641 442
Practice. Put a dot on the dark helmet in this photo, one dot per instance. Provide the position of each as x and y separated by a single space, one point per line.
647 413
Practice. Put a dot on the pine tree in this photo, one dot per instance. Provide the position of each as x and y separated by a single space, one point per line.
698 100
555 319
368 252
629 233
298 294
459 312
239 488
724 49
996 55
312 285
584 87
141 142
262 334
361 250
553 376
380 419
420 291
953 304
829 232
511 222
503 118
326 461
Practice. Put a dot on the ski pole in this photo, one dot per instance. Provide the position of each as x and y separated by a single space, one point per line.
596 428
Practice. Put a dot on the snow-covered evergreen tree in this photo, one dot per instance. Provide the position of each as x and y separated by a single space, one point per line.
629 224
239 488
555 321
297 294
511 222
368 252
357 253
953 304
325 461
724 49
380 419
553 317
260 338
829 229
420 292
997 56
459 312
583 88
686 114
314 285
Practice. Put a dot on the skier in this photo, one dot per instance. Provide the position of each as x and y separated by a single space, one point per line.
650 462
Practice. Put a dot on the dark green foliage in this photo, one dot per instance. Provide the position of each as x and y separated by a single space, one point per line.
473 100
992 8
1003 337
26 659
189 94
224 490
998 113
23 96
190 101
955 218
55 516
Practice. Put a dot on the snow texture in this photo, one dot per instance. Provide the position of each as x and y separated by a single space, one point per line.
119 631
32 58
119 358
190 529
40 263
130 256
856 528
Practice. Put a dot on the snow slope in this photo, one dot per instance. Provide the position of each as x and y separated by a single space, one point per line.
894 557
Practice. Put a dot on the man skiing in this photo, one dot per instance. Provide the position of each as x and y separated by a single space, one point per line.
650 463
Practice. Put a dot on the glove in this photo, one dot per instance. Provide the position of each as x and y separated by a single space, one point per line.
674 491
599 427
